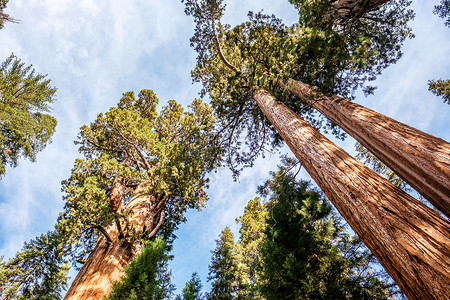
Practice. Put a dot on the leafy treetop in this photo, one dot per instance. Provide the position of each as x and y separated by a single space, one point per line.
333 54
25 125
167 154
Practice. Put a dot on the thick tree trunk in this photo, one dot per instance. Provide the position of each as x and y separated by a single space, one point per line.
106 262
410 240
351 8
420 159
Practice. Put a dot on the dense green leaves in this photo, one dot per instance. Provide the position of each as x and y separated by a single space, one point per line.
147 276
323 49
292 247
166 155
39 271
25 125
440 88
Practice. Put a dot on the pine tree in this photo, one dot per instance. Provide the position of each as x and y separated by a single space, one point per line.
25 98
252 226
223 270
192 290
39 271
146 277
303 253
141 172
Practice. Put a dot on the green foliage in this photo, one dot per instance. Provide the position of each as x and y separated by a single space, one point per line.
3 16
25 98
440 88
223 270
443 11
192 290
252 227
147 276
39 271
333 54
292 247
166 154
306 255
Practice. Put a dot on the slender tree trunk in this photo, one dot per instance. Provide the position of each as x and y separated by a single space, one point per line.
410 240
106 262
420 159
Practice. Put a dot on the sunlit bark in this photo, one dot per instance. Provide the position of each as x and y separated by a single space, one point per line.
420 159
410 240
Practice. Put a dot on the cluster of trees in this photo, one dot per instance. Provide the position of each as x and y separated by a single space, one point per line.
143 169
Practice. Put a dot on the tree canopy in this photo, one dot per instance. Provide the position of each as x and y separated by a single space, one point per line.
164 156
337 55
25 102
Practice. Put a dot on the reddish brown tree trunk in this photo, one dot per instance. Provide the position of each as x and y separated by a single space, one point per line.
106 262
410 240
420 159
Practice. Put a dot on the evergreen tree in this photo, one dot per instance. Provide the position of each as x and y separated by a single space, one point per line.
142 170
25 98
223 270
440 88
252 226
39 271
306 255
147 276
192 290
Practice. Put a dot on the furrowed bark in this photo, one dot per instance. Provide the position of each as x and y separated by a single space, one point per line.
105 263
410 240
420 159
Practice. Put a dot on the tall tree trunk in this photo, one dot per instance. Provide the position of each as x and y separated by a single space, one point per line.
420 159
106 262
410 240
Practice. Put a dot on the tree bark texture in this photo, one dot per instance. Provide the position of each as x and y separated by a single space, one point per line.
106 262
420 159
351 8
409 239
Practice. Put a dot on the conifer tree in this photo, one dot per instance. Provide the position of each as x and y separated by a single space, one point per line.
4 17
223 270
39 271
25 99
192 290
262 53
146 277
142 170
305 254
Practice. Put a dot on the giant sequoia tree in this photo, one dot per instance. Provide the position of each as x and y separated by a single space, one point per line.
25 125
334 53
141 172
233 65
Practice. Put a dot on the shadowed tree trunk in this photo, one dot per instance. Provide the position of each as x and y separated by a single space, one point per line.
410 240
106 262
420 159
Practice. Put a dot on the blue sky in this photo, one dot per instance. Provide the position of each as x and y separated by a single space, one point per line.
93 51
